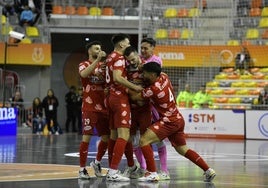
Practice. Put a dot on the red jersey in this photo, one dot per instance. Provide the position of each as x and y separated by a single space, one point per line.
93 88
161 94
115 61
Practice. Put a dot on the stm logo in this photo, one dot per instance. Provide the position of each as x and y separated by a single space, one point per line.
201 118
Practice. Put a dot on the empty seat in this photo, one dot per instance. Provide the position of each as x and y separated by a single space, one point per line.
4 19
252 34
246 77
94 11
174 34
237 84
242 12
183 13
57 9
264 11
132 12
233 77
82 10
254 12
250 84
235 100
246 43
161 34
187 34
26 40
70 10
170 13
254 92
237 34
229 92
233 43
256 4
220 76
6 30
32 31
242 92
239 22
194 12
212 84
252 22
216 92
221 100
107 11
263 22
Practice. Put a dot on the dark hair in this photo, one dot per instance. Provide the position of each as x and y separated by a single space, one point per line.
149 40
73 87
88 45
118 38
129 50
153 67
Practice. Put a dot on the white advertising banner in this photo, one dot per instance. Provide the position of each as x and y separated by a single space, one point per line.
214 123
257 124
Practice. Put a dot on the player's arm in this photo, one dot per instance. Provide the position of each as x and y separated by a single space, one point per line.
135 96
117 76
87 71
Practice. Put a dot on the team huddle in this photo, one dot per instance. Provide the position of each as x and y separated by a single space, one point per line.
131 103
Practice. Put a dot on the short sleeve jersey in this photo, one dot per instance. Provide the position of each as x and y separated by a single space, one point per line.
161 95
154 58
93 88
115 61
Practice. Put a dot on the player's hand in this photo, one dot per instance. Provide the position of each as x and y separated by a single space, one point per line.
138 88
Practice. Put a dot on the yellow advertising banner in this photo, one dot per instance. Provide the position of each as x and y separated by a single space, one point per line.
213 56
26 54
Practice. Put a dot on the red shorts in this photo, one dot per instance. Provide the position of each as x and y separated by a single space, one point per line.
95 119
173 131
141 118
119 111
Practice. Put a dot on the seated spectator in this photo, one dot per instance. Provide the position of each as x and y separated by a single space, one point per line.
38 119
263 97
242 62
8 7
185 98
26 17
34 5
202 99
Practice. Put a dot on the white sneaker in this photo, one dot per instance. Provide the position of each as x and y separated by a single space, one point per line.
149 176
209 175
116 177
130 170
83 183
164 175
97 168
137 174
83 174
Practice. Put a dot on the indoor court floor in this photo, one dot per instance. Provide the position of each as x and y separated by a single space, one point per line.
37 161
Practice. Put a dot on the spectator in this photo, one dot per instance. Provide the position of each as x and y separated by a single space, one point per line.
71 102
38 120
185 98
8 7
34 5
263 98
26 17
17 102
50 104
202 99
242 62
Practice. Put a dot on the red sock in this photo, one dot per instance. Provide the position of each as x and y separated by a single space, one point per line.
111 144
102 147
83 150
196 159
149 157
119 149
129 154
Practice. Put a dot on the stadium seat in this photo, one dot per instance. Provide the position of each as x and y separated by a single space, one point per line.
229 92
170 13
194 12
264 34
187 34
250 84
94 11
212 84
221 76
255 12
82 10
233 43
256 4
264 70
242 92
264 12
216 92
183 13
26 40
6 30
235 100
174 34
254 92
259 76
237 84
107 11
246 77
263 22
57 9
4 19
161 34
221 100
32 31
132 12
252 34
252 22
233 77
70 10
243 12
246 43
